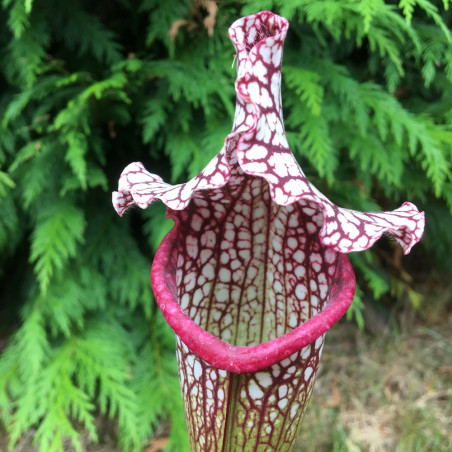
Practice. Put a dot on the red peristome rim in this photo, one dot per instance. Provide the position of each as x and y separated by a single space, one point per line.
240 359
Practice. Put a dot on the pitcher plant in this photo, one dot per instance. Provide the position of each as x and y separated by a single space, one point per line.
255 269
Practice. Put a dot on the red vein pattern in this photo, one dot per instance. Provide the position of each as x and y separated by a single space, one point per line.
253 272
251 411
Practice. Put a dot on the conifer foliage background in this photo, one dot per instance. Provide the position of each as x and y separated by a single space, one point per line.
88 86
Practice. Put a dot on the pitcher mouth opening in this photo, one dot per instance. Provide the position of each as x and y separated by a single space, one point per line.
249 358
256 28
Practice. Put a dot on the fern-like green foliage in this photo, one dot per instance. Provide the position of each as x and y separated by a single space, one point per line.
87 87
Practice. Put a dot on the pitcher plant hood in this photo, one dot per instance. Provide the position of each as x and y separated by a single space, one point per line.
255 267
